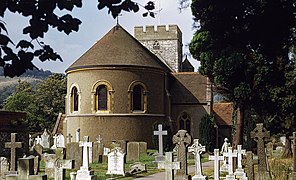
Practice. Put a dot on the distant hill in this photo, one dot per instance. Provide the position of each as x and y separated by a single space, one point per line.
7 84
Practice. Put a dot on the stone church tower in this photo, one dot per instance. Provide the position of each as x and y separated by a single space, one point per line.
164 41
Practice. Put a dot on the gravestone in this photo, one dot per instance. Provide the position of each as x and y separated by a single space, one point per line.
260 135
160 133
250 162
13 145
78 135
49 160
116 162
55 139
38 150
143 147
169 166
230 155
136 168
292 175
4 167
122 145
60 141
98 149
106 151
196 149
182 139
239 172
38 140
84 173
216 158
36 163
69 138
60 168
45 139
74 152
133 151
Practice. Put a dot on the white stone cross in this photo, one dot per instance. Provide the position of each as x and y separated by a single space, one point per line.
169 166
85 144
60 166
216 158
160 133
197 149
38 140
99 139
240 152
230 154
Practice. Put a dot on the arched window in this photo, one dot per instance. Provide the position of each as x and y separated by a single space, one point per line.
137 97
156 45
102 97
185 122
74 99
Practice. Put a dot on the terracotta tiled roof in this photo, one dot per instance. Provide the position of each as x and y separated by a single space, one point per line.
223 113
118 48
188 87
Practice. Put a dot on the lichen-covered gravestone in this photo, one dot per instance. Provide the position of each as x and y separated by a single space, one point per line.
196 149
73 151
250 162
260 135
169 166
13 145
182 140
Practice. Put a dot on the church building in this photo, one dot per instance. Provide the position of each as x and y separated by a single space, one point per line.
125 85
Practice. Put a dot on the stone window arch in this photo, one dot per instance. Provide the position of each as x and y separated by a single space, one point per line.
184 122
102 97
74 102
137 95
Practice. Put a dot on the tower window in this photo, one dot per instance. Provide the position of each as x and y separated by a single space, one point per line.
74 99
156 45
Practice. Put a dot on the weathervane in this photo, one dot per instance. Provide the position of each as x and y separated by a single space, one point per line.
117 19
158 11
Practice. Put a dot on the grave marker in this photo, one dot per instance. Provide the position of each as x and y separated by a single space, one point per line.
240 152
230 154
196 149
182 139
60 142
69 138
60 167
13 145
169 166
45 139
216 158
78 135
160 133
250 162
116 162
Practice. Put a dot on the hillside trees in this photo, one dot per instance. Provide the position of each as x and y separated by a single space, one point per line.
42 105
43 15
243 47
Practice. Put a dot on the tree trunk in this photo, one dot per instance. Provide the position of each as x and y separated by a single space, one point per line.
238 138
287 150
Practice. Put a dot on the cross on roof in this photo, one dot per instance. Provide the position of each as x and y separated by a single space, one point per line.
216 158
85 145
160 133
13 145
169 165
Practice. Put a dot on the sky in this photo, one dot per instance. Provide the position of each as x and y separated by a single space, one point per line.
95 24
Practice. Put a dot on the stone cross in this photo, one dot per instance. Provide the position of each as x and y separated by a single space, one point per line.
85 159
69 138
230 154
259 134
216 158
197 149
13 145
240 152
160 133
182 139
250 162
169 166
293 140
78 135
99 139
60 166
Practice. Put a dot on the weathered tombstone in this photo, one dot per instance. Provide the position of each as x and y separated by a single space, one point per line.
196 149
239 172
69 138
169 166
78 135
136 168
60 167
106 151
55 139
45 139
49 160
98 150
143 147
230 155
182 139
216 158
259 134
133 151
160 133
122 145
13 145
73 151
38 140
60 142
38 150
250 162
4 167
116 162
36 163
84 173
292 176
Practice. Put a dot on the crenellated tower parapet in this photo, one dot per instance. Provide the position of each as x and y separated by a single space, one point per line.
165 41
